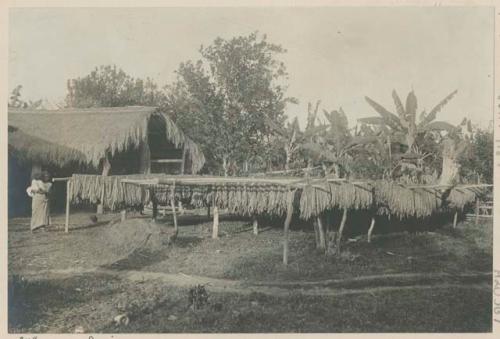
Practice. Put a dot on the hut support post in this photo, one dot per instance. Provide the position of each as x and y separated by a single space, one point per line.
255 226
68 195
288 220
455 217
477 212
145 158
183 163
370 230
341 230
172 204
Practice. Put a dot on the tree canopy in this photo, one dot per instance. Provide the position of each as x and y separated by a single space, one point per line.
229 96
110 86
232 102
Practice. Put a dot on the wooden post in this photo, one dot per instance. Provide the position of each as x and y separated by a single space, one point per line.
215 228
455 217
154 202
477 211
68 198
123 215
145 158
106 168
172 203
183 163
370 230
321 231
181 208
289 214
100 207
255 226
341 230
316 233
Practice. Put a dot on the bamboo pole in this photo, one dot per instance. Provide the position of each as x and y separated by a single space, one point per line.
195 181
341 230
61 179
455 217
288 220
370 230
255 226
172 204
286 171
191 180
68 190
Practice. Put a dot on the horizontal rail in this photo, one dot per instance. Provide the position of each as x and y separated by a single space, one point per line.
61 179
167 161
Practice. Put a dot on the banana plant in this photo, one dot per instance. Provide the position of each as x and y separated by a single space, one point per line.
336 145
404 127
291 138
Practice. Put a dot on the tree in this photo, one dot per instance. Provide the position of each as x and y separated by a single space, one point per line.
194 104
15 100
236 88
477 163
109 86
288 140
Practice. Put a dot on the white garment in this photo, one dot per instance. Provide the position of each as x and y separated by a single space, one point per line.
36 185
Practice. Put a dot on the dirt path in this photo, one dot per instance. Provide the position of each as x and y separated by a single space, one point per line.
358 285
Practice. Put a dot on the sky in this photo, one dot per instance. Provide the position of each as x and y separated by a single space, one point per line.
334 54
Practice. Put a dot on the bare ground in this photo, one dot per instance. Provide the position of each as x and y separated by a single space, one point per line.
59 281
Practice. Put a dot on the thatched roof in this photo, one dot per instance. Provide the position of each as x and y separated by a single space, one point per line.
86 135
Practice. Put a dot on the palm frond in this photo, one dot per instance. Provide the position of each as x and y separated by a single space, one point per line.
399 105
411 109
390 119
433 113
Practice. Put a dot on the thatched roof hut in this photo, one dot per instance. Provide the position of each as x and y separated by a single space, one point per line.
88 136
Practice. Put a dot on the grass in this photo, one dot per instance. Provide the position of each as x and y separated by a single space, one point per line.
50 304
150 305
384 312
246 256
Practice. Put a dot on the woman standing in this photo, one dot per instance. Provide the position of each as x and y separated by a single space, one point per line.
39 192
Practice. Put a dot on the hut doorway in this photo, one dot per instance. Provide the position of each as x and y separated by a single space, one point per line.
165 157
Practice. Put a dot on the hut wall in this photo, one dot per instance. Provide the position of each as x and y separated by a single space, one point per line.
19 178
